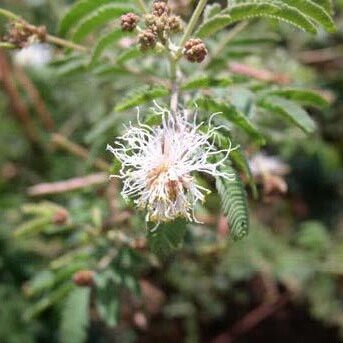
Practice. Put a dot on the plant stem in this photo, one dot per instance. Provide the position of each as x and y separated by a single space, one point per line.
65 43
191 25
8 14
142 6
6 45
174 85
78 150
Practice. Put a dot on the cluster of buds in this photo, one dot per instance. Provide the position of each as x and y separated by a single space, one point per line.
21 34
195 50
160 24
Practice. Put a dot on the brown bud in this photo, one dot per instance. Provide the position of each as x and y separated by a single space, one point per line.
60 217
159 8
175 24
21 34
195 50
147 39
84 278
150 20
129 21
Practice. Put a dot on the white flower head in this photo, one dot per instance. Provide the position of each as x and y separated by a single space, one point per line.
158 165
35 55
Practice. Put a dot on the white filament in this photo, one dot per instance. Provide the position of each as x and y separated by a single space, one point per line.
158 165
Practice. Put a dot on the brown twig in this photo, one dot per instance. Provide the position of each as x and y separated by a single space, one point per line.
259 74
67 185
252 319
36 98
321 55
77 150
19 110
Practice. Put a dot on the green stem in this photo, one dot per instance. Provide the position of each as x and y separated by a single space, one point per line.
174 98
8 14
65 43
5 45
142 6
191 25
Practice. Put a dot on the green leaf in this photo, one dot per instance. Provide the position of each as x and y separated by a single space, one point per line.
303 96
230 113
167 237
267 39
33 226
326 4
239 159
107 298
204 81
101 16
75 316
42 281
78 11
291 111
315 12
104 43
71 66
211 10
234 203
141 96
213 25
254 9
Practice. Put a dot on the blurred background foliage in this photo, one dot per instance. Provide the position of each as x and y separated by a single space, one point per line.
283 281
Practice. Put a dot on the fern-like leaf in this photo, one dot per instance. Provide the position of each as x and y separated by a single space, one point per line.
230 113
255 9
234 203
303 96
101 16
104 43
313 11
289 110
75 316
79 10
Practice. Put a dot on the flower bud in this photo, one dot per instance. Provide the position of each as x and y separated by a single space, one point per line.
60 217
84 278
21 34
129 21
175 24
160 8
195 50
147 39
150 20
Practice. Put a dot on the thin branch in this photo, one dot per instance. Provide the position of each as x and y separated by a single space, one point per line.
259 74
19 109
36 98
191 25
252 319
78 150
67 185
6 45
174 99
65 43
8 14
